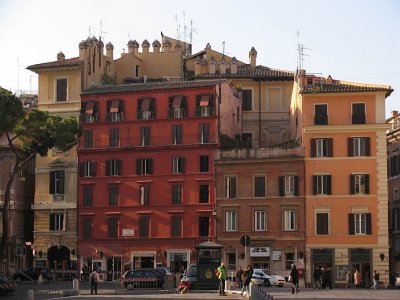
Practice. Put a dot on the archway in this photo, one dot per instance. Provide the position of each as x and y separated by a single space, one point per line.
59 258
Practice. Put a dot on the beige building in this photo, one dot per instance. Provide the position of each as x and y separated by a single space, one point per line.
60 85
265 93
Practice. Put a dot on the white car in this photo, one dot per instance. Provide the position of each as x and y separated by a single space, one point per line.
397 280
266 278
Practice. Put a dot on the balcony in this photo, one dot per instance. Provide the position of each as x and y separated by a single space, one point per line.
177 113
259 153
154 141
114 116
204 111
86 118
146 114
358 119
321 120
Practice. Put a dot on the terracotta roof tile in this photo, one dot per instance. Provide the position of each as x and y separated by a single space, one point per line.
340 87
58 63
150 86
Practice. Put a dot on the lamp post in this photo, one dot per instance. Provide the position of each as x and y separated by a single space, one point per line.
214 213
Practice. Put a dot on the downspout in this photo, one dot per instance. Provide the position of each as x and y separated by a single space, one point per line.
259 112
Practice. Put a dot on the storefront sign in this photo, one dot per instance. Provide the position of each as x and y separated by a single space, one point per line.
259 251
276 255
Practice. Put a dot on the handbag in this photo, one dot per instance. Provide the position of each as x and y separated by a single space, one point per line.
290 278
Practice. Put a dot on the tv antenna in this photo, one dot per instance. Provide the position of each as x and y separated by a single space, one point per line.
300 52
101 29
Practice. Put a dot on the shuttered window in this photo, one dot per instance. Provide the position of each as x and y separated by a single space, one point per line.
360 223
144 195
322 185
57 182
247 98
359 184
204 193
112 227
176 134
204 166
322 147
145 136
144 223
61 89
87 196
176 226
321 114
113 195
322 223
144 166
114 167
114 137
176 194
87 229
259 186
204 226
230 187
88 139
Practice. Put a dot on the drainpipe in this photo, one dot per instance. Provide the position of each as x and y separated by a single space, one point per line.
259 112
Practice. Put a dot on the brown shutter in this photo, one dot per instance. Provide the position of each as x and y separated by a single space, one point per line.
150 165
367 146
351 224
296 186
368 223
313 148
108 168
330 147
281 186
314 184
52 182
329 184
81 171
350 150
138 166
93 168
367 184
352 185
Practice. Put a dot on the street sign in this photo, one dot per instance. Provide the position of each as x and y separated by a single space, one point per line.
245 240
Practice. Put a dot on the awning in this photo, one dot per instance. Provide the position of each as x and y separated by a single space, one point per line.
204 100
177 102
89 108
114 106
146 104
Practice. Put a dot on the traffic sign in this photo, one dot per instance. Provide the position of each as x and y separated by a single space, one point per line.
245 240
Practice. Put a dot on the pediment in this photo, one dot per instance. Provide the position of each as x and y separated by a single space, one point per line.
59 162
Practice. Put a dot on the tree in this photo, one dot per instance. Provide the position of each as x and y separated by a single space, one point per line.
27 134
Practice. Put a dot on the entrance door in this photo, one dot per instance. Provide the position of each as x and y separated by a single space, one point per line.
113 268
260 263
143 262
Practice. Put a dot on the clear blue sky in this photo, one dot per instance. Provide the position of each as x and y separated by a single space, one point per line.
351 40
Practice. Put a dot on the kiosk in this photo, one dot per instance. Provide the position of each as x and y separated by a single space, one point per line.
208 260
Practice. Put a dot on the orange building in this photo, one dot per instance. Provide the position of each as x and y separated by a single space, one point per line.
342 127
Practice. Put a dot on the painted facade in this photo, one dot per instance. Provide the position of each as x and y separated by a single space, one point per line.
346 178
146 187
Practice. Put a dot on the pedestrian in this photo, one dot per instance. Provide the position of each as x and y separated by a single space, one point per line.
357 279
84 273
239 274
221 273
294 279
328 277
94 280
317 278
183 285
323 277
348 280
376 280
246 279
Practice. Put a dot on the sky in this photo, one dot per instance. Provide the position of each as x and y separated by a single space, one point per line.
352 40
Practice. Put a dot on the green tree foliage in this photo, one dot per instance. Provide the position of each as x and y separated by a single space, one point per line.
29 133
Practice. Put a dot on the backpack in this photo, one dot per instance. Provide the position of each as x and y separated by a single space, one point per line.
92 280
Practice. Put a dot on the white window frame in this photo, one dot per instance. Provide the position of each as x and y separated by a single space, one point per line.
321 147
322 189
113 167
231 221
88 166
289 185
359 184
227 186
360 223
144 193
290 219
359 146
260 220
322 211
177 165
59 221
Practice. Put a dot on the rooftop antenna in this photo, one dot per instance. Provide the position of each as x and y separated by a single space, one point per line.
90 32
300 52
178 28
101 29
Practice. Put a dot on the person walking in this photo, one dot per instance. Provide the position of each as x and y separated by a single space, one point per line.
348 280
246 279
376 280
221 273
94 280
317 278
239 274
328 277
357 279
294 279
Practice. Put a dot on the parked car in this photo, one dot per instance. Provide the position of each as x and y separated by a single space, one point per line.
191 276
6 286
163 271
267 278
142 278
397 280
32 274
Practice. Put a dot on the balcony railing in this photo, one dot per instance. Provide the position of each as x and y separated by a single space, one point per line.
114 116
358 118
321 120
204 111
146 114
257 153
177 113
154 141
86 118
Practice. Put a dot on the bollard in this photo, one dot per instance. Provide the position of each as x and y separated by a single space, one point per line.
75 285
227 285
31 295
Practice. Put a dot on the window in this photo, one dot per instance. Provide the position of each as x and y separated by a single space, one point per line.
112 228
203 193
322 147
395 223
204 226
359 184
87 229
88 139
230 186
177 107
394 165
114 167
87 196
57 182
57 221
144 224
204 163
114 137
145 136
359 146
231 221
205 105
289 260
322 184
259 186
260 220
146 109
144 166
178 165
247 99
360 223
113 195
204 132
288 186
176 194
358 116
176 134
289 219
61 89
144 195
115 111
321 114
322 223
89 112
87 168
176 226
396 195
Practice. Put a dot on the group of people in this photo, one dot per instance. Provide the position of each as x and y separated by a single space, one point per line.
356 279
322 278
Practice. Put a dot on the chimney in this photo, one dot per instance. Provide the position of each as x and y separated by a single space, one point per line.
156 46
234 65
145 46
394 113
60 56
211 66
109 51
132 46
222 66
253 57
82 47
167 46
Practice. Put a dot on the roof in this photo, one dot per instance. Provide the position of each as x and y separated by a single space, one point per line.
71 62
345 87
258 72
150 86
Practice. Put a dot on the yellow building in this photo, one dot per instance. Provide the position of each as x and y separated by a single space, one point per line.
60 85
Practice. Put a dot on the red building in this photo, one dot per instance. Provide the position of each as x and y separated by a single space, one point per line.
146 192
